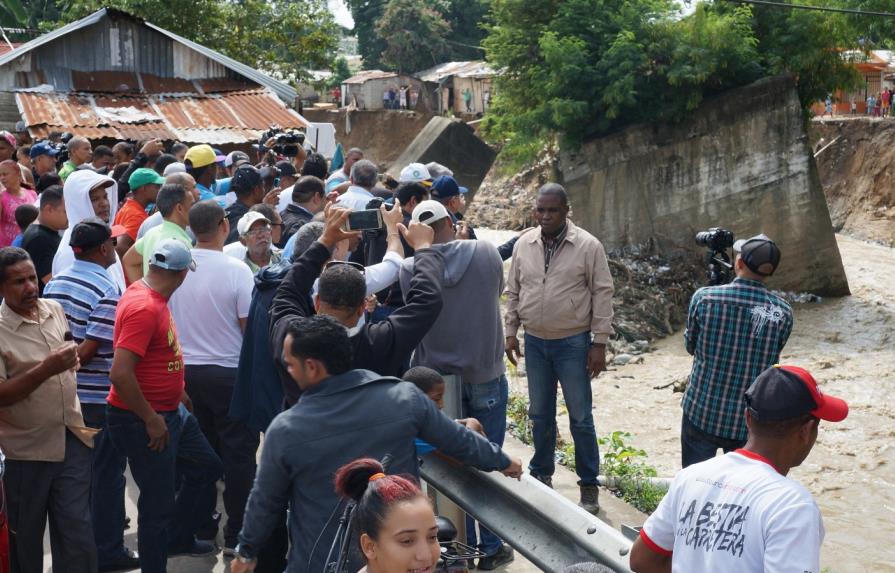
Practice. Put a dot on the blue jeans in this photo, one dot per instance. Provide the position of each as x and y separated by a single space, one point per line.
698 446
106 489
487 403
168 519
563 360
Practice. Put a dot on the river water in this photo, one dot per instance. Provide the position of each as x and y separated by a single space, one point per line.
847 344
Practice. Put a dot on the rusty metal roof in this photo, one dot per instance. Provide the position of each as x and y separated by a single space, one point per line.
368 75
232 117
286 92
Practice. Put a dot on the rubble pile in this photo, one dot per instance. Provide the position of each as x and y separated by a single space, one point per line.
652 292
504 201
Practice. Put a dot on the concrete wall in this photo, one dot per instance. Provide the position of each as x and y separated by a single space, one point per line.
453 144
742 162
382 134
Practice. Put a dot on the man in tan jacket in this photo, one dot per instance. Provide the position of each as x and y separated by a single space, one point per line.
560 290
42 432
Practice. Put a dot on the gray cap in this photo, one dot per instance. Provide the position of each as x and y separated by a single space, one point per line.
172 255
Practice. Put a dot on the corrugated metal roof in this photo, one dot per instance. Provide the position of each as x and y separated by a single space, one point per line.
476 68
369 75
284 91
234 117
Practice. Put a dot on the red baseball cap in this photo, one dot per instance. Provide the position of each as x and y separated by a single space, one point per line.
786 392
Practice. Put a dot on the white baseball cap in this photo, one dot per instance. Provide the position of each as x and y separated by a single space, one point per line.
176 167
414 173
428 212
246 221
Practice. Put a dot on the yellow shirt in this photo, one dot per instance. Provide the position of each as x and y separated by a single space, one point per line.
33 429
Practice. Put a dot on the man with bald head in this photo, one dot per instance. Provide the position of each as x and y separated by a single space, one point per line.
79 152
559 288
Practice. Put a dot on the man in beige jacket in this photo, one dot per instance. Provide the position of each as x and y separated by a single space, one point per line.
560 290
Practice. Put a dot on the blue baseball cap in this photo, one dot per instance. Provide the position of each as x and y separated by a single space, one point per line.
445 187
42 148
172 255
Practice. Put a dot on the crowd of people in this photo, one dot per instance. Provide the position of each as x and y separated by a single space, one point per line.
162 311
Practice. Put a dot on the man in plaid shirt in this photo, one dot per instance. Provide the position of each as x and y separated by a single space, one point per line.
734 332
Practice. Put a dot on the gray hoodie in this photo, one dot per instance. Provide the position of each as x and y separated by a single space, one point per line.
467 338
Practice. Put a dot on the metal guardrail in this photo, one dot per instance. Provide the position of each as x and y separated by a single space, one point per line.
545 527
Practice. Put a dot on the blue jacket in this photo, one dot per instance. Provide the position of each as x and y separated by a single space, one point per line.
345 417
258 393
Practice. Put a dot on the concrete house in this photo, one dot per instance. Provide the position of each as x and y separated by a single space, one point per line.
365 90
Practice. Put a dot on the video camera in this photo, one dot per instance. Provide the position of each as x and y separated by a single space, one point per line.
717 241
286 142
59 142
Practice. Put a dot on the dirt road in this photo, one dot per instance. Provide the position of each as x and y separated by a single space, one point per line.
847 344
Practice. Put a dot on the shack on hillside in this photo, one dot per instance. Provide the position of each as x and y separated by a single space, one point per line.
450 86
376 89
113 76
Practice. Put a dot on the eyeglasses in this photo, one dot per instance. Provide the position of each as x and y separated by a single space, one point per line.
357 266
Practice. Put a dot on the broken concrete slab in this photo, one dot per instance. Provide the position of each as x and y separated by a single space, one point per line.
741 162
453 144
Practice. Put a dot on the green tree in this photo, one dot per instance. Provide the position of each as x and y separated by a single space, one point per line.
341 72
285 38
575 76
465 18
366 14
415 34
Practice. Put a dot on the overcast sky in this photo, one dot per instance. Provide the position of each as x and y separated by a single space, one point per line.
341 12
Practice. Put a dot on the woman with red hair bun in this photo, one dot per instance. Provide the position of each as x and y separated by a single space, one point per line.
393 519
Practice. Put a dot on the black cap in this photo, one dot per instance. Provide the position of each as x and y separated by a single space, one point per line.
287 169
788 392
759 253
89 233
246 178
269 172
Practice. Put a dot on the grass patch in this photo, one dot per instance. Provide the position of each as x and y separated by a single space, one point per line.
617 459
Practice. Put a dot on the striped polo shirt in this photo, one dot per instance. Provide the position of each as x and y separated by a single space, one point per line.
89 295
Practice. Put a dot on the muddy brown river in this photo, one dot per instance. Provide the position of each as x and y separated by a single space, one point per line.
847 344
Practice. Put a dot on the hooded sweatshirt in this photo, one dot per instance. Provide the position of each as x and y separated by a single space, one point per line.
467 338
76 193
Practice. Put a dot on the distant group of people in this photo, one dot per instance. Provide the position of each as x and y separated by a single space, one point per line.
165 310
402 97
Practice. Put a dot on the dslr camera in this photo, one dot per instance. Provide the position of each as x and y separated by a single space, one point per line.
717 241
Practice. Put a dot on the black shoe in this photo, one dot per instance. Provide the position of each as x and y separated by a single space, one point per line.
590 498
470 564
546 480
126 562
197 549
503 556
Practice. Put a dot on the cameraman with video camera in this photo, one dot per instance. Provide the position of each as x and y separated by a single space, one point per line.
734 331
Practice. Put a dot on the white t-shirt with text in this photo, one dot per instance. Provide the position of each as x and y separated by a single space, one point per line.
207 308
736 513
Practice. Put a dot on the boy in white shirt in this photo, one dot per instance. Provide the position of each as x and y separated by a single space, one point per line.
739 512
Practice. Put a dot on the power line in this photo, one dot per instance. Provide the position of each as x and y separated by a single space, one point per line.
814 8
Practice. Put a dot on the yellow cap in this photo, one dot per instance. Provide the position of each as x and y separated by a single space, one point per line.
200 155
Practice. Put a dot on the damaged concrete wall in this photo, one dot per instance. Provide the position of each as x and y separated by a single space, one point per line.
453 144
741 162
382 134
